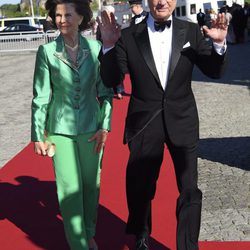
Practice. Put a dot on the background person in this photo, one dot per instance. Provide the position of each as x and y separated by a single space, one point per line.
160 53
200 18
238 22
73 106
137 10
207 18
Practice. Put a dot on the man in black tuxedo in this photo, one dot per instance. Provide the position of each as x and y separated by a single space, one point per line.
137 10
160 53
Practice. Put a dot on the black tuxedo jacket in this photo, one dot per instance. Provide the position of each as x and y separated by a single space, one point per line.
132 54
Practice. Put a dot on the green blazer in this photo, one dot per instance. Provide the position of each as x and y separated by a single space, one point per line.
69 99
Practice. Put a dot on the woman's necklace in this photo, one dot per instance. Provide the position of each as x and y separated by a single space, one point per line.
72 48
72 52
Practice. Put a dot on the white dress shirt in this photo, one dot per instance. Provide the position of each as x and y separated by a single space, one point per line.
161 46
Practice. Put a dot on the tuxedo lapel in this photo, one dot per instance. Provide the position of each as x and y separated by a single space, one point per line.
142 40
179 33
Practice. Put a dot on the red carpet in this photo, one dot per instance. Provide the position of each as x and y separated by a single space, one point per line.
29 216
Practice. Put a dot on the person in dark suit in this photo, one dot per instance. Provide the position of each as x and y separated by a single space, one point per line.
200 18
137 10
160 53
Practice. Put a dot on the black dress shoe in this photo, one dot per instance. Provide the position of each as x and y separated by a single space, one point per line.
141 244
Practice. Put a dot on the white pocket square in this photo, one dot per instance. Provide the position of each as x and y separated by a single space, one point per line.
186 45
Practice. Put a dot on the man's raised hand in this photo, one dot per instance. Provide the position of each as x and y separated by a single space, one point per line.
110 30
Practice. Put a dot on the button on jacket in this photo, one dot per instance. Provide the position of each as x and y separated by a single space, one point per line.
65 95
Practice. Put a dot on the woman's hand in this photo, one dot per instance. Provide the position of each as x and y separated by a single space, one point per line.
40 148
218 30
100 138
110 30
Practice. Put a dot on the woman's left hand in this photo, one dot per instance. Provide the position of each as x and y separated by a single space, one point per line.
218 30
100 137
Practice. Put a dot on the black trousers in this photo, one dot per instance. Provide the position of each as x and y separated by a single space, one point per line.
145 160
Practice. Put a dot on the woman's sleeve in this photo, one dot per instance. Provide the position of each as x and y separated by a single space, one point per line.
41 96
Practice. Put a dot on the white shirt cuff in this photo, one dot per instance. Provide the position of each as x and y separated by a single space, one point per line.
220 48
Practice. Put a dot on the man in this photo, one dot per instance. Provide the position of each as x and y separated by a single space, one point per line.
137 10
159 53
201 18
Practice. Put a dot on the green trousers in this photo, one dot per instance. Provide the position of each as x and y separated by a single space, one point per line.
77 171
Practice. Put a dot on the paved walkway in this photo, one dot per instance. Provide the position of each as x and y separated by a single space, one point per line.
224 157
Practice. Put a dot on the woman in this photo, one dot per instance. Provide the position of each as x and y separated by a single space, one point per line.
72 105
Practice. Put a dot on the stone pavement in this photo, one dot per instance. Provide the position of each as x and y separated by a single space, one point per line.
224 155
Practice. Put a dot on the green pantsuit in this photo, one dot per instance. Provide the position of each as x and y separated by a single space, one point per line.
77 171
70 103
